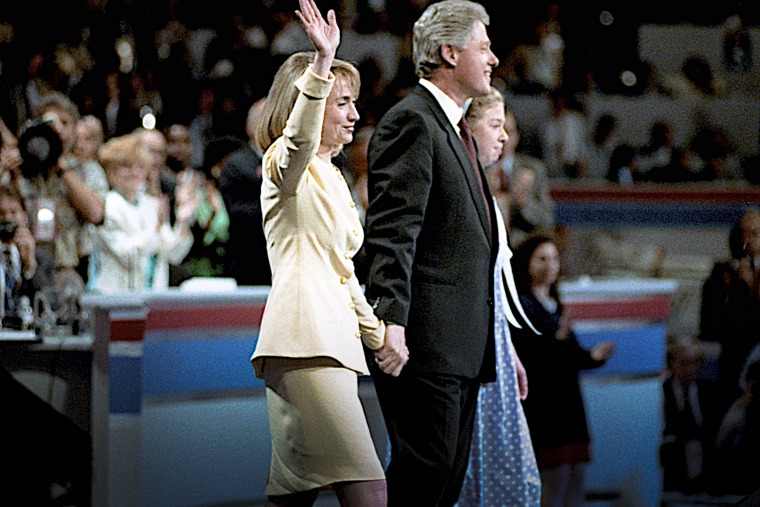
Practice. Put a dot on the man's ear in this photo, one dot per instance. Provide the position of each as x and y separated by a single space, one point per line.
449 54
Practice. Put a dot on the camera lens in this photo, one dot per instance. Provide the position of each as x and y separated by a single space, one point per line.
7 230
40 147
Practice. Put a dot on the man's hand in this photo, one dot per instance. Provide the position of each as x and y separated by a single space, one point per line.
393 355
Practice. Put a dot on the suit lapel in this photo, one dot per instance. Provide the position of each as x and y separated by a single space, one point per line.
464 164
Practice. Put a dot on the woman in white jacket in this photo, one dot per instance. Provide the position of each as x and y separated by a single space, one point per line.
136 243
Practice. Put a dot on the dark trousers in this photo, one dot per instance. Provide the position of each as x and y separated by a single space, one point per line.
430 419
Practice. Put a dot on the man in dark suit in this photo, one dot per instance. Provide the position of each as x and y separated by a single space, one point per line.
240 185
431 247
691 416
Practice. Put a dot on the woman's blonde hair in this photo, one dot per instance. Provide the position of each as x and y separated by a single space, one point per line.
270 122
119 151
479 105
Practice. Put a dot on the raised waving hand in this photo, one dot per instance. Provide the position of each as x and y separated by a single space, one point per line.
324 34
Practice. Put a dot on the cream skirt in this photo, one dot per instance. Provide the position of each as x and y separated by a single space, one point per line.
319 431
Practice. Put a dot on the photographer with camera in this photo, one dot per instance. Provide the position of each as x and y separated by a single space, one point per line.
25 270
64 197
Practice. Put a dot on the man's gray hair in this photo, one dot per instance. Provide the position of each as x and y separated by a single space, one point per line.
445 22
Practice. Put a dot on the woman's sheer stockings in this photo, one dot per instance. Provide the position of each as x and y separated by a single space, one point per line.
350 494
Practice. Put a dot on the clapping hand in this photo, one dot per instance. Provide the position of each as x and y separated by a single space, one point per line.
186 197
163 211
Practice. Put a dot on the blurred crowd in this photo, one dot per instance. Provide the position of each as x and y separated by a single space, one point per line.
137 63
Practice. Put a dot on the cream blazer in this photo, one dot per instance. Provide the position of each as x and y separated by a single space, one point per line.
316 306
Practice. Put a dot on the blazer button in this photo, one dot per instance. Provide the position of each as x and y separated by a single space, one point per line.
356 233
358 335
489 301
343 280
352 204
346 256
352 306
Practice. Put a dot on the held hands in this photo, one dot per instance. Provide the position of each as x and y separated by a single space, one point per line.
325 35
394 354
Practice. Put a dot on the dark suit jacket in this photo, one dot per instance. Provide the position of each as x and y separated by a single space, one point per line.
430 241
240 185
676 433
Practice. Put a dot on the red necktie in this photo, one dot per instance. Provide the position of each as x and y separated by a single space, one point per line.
464 131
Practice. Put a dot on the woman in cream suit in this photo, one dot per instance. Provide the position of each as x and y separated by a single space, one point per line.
309 350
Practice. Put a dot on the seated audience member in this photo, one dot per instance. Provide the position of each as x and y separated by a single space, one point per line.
25 271
738 440
624 165
661 160
136 243
690 420
696 79
564 136
603 141
70 192
730 311
714 155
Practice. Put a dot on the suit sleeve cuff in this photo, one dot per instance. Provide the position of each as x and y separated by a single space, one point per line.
315 86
